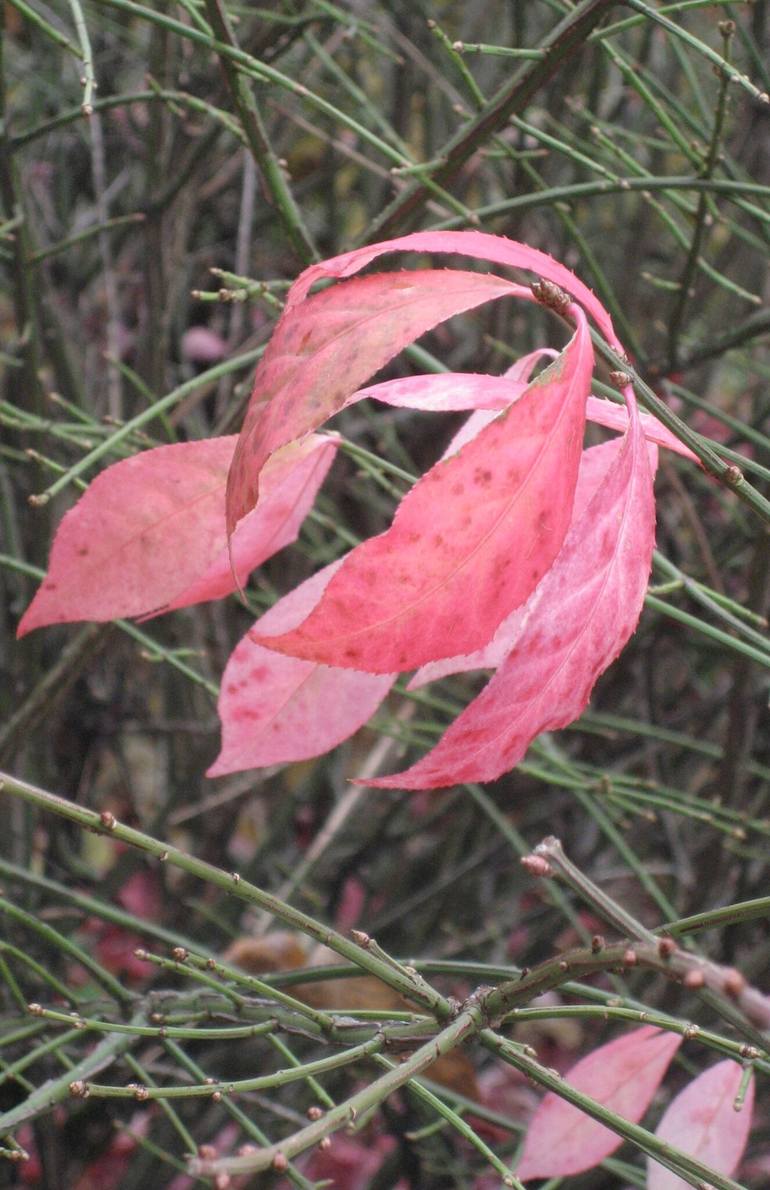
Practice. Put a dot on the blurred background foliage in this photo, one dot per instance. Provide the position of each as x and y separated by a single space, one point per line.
144 251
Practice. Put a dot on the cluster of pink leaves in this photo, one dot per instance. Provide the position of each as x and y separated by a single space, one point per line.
624 1076
519 551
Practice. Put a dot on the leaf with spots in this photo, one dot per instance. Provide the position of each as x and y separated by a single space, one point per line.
149 532
622 1075
702 1122
594 465
277 709
572 628
469 542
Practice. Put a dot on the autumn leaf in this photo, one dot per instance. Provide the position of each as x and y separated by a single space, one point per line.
276 709
702 1122
469 542
323 349
149 533
622 1075
579 618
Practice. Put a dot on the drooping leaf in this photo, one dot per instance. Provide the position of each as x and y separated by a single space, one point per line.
702 1122
324 348
288 399
469 542
615 417
573 627
623 1076
277 709
149 533
446 392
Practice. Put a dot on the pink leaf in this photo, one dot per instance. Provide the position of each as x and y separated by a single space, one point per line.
594 465
448 391
150 531
496 249
615 417
702 1122
623 1076
276 709
292 478
574 626
324 348
469 542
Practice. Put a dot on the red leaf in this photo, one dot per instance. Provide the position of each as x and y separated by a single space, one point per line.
322 349
594 465
623 1076
573 627
482 245
277 709
702 1122
149 532
469 542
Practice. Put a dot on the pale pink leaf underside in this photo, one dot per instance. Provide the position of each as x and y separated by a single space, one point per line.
623 1076
276 709
577 621
151 528
469 542
702 1122
324 348
454 391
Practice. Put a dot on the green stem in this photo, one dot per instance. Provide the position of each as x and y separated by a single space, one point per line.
229 882
258 140
514 96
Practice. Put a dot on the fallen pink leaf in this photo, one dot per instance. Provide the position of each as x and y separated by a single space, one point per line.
702 1122
622 1075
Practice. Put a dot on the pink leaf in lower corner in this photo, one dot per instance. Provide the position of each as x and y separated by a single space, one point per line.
702 1122
573 627
623 1076
149 532
469 542
276 709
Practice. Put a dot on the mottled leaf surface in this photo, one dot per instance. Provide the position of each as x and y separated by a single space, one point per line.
594 466
576 623
469 542
324 348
